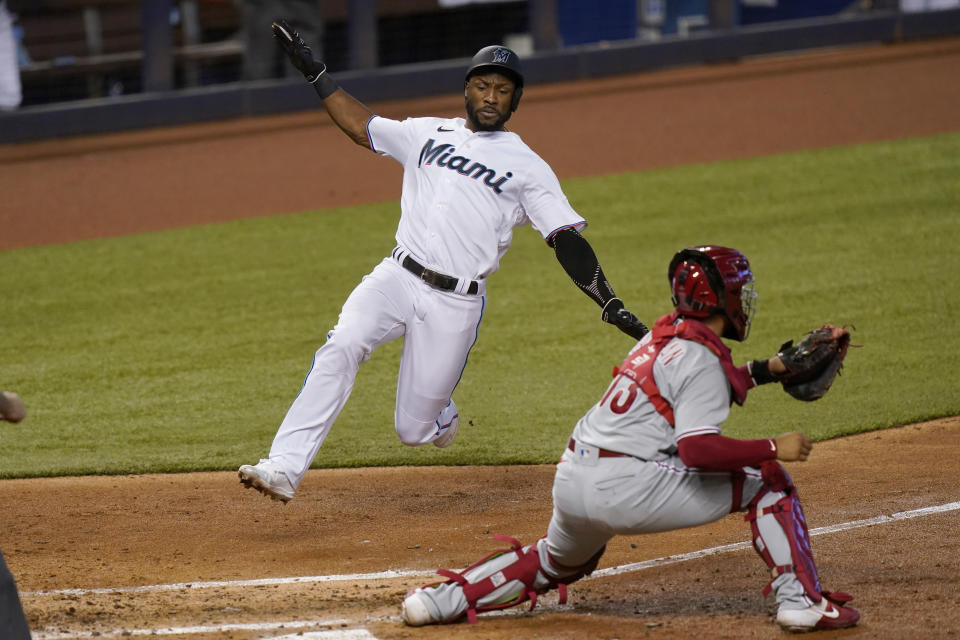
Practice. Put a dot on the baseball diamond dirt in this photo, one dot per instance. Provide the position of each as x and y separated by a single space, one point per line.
195 556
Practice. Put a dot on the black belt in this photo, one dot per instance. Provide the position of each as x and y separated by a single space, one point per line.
601 453
435 279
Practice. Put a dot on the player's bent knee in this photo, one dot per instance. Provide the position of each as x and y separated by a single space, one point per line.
565 574
414 433
411 442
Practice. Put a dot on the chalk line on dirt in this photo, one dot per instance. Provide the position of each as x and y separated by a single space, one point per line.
391 574
833 528
329 634
363 634
260 582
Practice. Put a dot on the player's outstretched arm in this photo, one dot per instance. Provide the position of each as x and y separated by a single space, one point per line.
578 259
347 112
350 115
720 453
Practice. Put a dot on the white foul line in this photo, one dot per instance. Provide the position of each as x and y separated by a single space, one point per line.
833 528
363 634
390 574
260 582
333 634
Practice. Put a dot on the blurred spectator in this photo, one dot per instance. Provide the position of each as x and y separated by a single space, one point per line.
262 58
10 94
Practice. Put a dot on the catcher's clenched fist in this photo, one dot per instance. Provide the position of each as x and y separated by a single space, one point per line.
793 447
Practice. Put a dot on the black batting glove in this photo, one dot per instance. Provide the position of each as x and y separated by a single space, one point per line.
297 50
615 314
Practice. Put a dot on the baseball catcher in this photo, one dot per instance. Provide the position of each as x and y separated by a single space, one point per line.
649 456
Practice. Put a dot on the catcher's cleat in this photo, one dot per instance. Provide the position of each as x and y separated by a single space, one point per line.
415 611
822 615
447 424
268 480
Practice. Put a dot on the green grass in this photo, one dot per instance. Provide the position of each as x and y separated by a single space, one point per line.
182 350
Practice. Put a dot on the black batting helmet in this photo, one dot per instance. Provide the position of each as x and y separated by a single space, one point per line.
706 280
501 60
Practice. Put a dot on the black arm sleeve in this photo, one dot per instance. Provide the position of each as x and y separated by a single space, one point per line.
577 258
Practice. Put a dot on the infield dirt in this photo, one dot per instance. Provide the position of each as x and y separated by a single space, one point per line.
113 533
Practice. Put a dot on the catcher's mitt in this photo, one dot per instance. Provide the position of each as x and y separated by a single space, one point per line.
814 362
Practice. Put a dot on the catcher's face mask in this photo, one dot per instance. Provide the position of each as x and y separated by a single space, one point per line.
748 305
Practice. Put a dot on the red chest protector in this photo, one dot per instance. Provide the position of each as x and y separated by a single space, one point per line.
638 366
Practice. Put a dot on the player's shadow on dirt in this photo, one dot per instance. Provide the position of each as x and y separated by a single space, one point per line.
652 598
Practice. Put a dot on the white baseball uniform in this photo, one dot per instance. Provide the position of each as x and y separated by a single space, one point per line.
463 194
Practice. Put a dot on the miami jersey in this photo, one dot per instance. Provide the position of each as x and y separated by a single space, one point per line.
464 192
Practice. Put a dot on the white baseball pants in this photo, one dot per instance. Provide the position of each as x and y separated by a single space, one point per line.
439 329
596 499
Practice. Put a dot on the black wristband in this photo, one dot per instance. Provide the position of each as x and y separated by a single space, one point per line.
325 85
760 372
610 308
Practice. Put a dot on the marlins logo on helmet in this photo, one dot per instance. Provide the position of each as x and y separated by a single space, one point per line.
501 56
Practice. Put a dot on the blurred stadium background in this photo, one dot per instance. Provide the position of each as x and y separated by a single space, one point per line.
91 66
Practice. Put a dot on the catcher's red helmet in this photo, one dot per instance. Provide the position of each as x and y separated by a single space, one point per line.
705 280
501 60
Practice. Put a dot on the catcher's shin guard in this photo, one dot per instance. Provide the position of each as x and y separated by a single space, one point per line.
788 551
497 581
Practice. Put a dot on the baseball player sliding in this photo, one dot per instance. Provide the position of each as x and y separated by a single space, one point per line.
650 456
467 183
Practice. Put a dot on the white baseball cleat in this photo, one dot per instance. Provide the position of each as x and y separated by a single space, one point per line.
266 478
447 423
822 615
414 610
